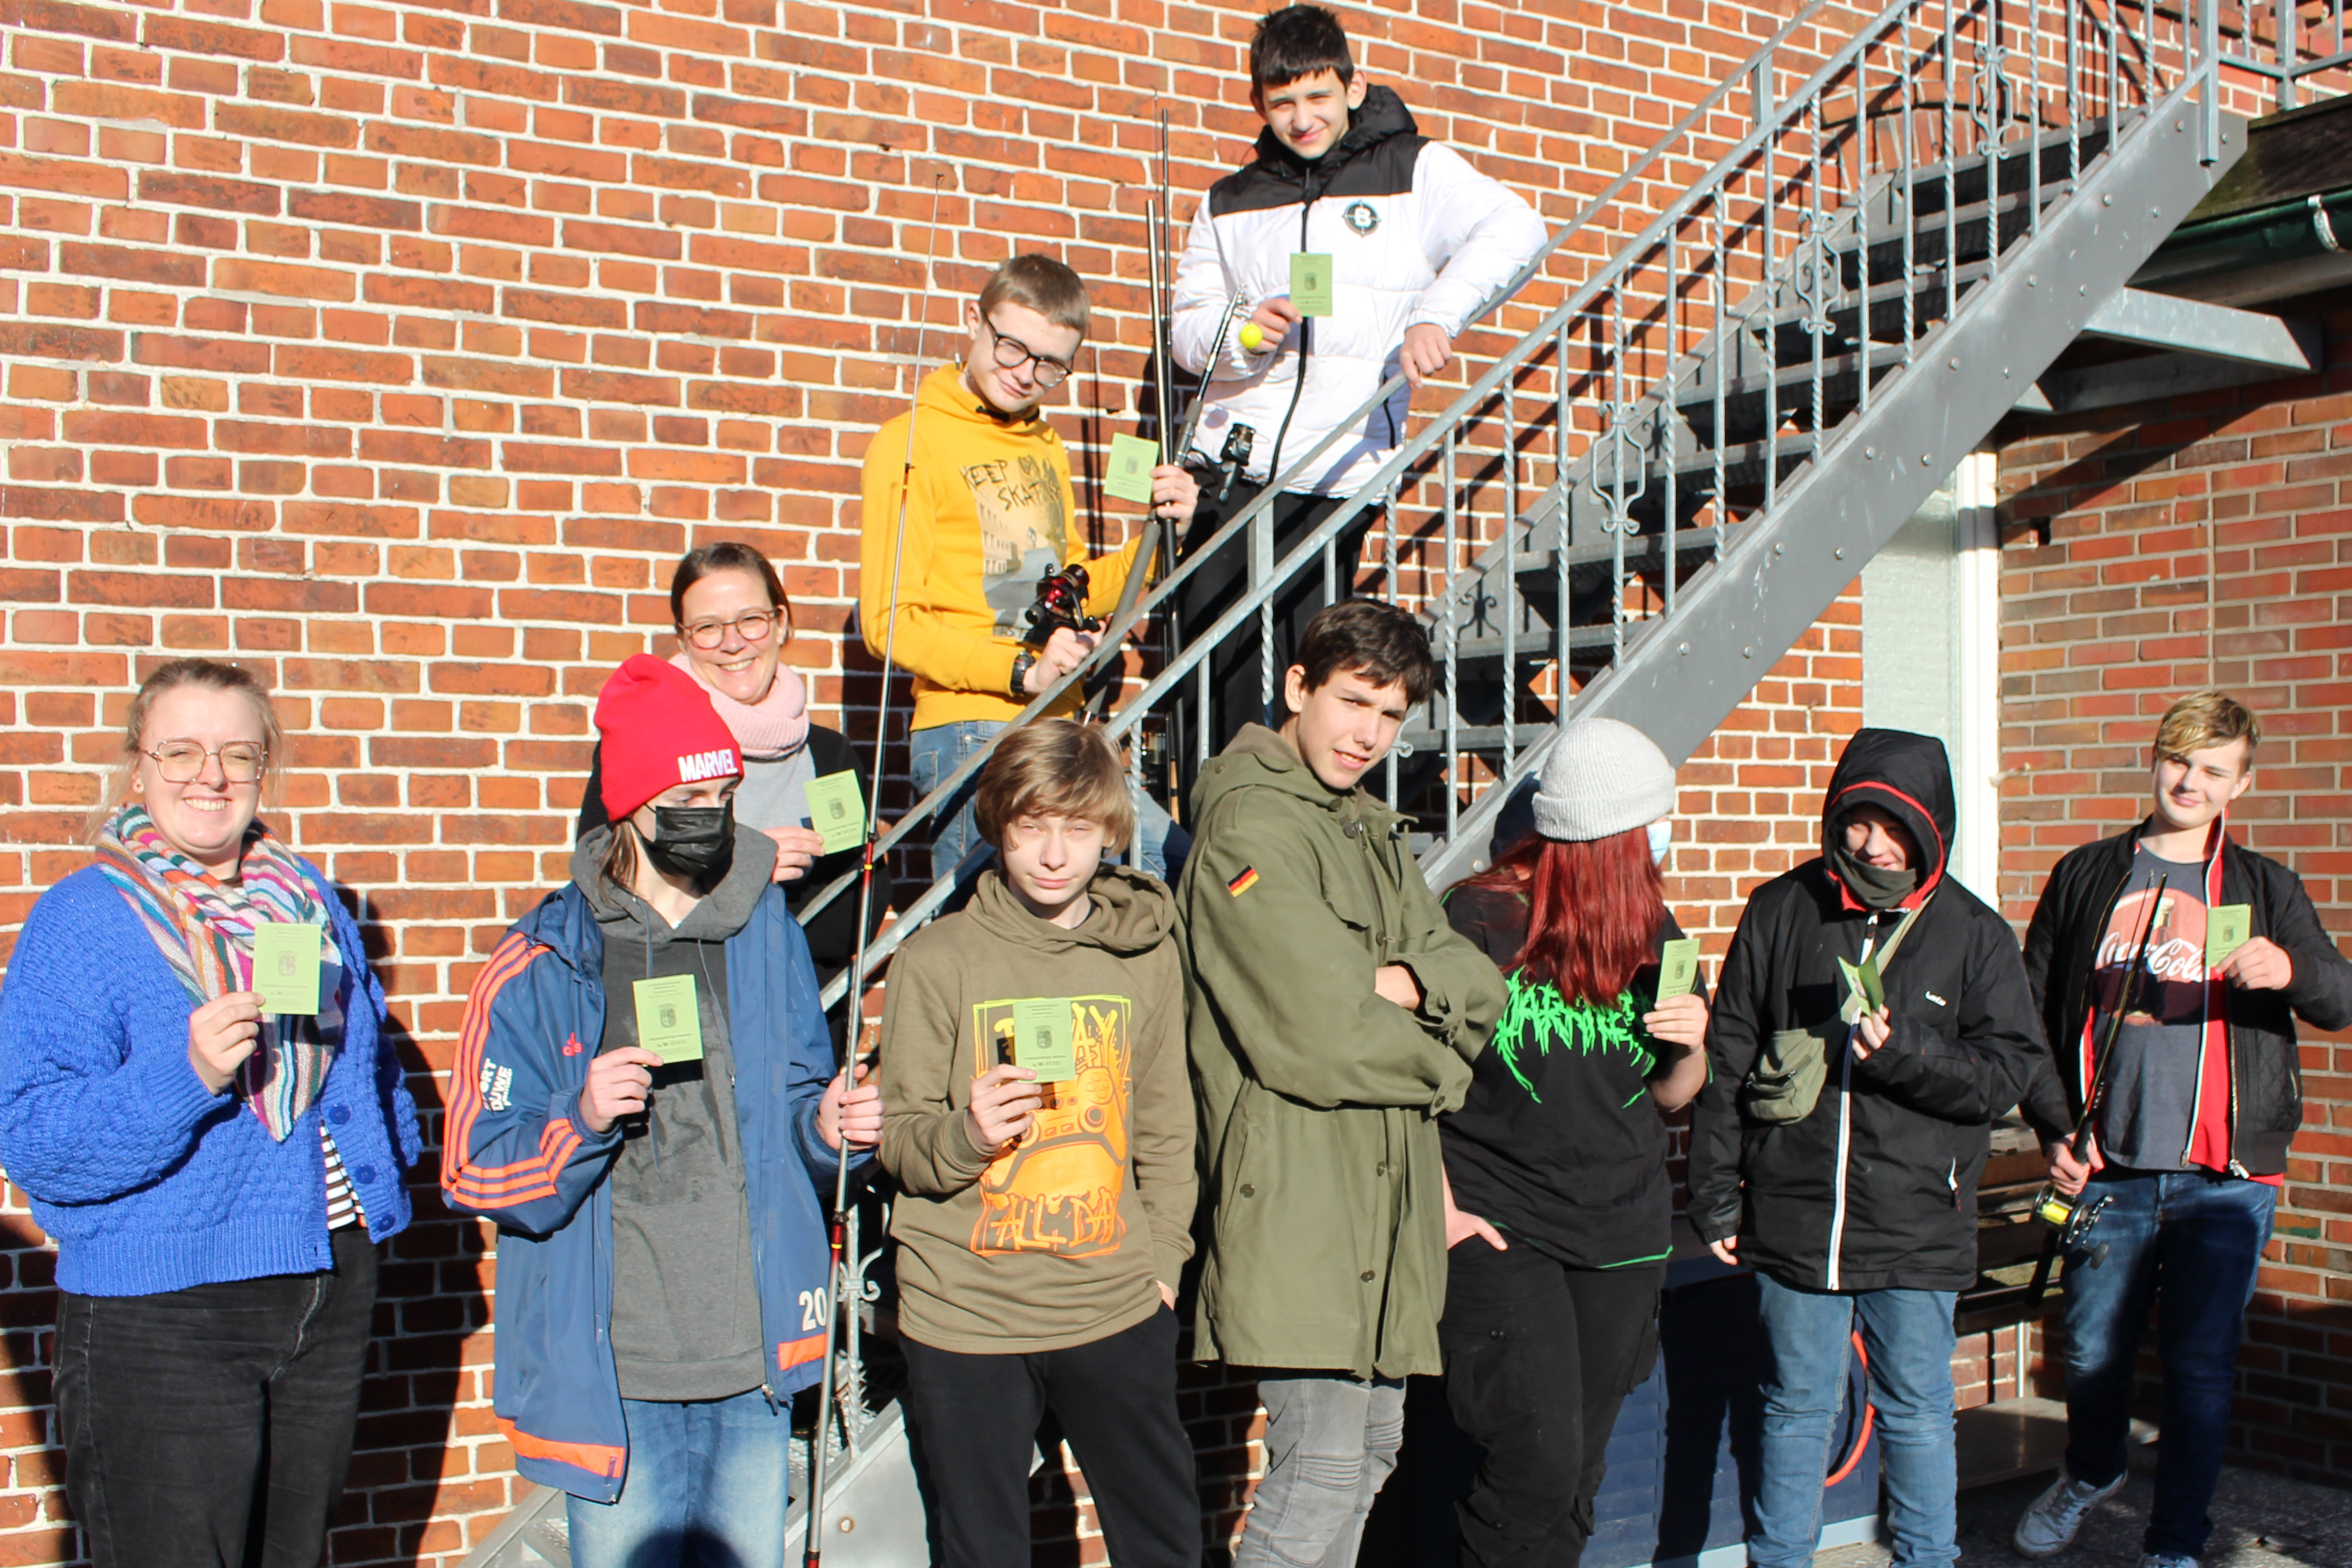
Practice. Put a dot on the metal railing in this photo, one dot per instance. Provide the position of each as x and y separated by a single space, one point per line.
1583 412
2286 42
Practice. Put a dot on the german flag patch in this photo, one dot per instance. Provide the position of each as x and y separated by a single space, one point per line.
1243 883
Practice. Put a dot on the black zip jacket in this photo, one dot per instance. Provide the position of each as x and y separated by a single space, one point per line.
2265 1075
1877 1187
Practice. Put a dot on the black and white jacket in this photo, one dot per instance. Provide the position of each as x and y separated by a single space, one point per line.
1414 233
1877 1189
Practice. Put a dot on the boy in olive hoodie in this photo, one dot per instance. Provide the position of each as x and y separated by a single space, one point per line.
1334 1014
988 510
1043 1138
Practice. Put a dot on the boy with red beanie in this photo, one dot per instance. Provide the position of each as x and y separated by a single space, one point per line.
644 1084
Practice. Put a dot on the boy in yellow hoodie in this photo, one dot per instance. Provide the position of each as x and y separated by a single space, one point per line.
989 510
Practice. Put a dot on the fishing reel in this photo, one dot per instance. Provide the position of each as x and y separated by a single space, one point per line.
1061 607
2073 1219
1240 442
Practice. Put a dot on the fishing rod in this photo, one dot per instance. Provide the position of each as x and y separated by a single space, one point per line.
2068 1220
814 1550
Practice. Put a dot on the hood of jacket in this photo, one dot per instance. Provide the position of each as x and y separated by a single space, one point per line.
1907 775
1133 912
1260 758
1381 116
724 911
944 395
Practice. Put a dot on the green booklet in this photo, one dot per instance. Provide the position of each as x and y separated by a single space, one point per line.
1040 1039
836 810
1132 459
1677 968
285 966
1310 283
1865 993
669 1023
2228 927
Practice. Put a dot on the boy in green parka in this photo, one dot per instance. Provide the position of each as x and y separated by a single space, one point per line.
1333 1014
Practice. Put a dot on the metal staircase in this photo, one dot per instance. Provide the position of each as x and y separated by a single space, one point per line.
1826 284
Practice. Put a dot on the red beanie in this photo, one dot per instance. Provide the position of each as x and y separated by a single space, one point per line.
660 731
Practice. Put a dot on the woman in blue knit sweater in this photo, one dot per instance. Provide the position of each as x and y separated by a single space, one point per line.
218 1180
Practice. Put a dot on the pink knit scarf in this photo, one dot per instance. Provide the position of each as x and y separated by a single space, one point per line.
769 730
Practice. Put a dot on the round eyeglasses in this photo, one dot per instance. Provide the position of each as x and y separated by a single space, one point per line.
752 625
1012 354
182 761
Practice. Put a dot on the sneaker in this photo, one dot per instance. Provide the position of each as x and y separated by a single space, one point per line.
2166 1560
2048 1527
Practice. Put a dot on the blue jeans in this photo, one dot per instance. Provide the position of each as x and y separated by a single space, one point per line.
1160 844
705 1488
2187 1242
1908 1336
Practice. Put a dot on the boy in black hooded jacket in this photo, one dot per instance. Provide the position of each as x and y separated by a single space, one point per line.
1836 1146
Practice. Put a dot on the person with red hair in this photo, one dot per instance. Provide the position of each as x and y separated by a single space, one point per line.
1557 1203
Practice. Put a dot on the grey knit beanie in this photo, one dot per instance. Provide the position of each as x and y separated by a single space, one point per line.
1603 778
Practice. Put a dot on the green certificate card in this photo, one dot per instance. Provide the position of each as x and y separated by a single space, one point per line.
1677 968
2227 928
1310 283
1040 1039
669 1024
285 966
836 811
1864 991
1132 459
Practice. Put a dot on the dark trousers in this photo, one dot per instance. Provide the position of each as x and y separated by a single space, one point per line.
1538 1358
210 1427
976 1417
1236 676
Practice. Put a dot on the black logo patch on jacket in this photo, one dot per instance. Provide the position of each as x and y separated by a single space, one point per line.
1361 218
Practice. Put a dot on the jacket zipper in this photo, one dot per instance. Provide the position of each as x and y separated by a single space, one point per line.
1845 1128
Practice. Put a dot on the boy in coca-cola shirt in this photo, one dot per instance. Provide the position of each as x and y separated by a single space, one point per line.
2190 1134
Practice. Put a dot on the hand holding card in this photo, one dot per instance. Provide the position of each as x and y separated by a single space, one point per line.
1128 478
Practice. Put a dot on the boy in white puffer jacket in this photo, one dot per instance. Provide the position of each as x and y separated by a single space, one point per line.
1418 240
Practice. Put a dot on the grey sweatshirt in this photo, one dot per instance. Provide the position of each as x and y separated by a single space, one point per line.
686 1308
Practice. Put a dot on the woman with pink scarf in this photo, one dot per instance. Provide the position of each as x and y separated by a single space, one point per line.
732 622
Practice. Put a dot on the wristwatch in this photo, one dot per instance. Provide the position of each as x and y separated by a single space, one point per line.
1023 663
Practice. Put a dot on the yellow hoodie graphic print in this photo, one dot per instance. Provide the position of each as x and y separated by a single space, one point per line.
1057 1189
1023 533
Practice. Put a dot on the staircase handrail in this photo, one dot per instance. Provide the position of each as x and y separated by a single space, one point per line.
1416 448
1112 645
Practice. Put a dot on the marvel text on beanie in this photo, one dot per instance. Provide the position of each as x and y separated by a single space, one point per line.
657 730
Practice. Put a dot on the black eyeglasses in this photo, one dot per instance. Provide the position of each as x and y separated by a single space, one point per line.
181 762
752 625
1012 354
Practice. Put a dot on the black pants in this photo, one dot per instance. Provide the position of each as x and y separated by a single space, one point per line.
1235 678
975 1417
210 1427
1537 1359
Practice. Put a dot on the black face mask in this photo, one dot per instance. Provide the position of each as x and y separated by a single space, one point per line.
697 841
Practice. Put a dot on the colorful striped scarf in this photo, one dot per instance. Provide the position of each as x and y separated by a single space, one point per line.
203 928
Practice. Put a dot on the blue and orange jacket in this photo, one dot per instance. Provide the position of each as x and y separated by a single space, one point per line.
516 1150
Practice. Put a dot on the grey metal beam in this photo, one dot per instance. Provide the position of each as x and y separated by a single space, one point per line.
2194 326
2143 380
1736 616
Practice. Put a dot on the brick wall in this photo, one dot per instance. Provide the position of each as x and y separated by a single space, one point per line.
2127 526
393 350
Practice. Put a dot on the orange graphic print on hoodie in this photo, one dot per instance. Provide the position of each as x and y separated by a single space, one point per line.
1058 1190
